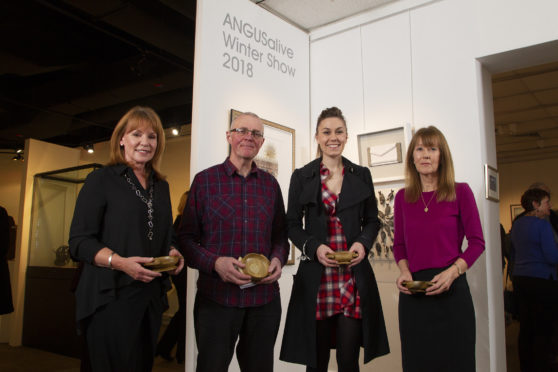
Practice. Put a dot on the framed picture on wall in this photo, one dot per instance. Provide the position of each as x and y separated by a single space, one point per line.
383 152
492 185
515 210
276 156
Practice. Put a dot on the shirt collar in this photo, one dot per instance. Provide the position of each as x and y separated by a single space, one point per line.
120 169
230 169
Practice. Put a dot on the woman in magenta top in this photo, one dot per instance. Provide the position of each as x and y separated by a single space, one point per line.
432 215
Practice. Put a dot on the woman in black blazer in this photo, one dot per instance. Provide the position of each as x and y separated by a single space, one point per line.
331 208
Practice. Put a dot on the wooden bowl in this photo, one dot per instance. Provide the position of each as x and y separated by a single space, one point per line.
342 257
163 263
417 286
257 266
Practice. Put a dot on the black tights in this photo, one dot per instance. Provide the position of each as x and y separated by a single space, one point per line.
348 335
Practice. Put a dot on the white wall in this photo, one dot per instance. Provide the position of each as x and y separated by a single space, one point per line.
413 61
417 62
275 96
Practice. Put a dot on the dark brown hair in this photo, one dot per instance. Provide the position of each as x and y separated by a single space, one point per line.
330 112
533 195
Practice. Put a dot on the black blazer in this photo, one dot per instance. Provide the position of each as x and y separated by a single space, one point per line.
358 214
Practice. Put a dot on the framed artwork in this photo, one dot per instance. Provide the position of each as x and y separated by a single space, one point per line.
381 254
384 153
515 210
492 185
382 249
276 156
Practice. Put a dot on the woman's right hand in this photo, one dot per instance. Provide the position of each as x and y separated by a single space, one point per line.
405 276
321 253
133 267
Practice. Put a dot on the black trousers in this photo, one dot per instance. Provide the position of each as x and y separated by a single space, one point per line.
538 306
218 328
347 333
122 335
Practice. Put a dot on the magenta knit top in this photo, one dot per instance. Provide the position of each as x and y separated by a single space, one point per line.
433 239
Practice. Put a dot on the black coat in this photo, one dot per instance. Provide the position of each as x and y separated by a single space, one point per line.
358 212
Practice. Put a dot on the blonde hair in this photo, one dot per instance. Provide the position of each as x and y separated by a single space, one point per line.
445 191
135 118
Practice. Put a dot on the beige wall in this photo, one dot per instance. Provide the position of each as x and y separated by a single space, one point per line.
10 185
515 178
39 157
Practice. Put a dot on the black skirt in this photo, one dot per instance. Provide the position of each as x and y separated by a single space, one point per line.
438 332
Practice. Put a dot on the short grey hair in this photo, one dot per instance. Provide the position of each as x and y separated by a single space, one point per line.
247 113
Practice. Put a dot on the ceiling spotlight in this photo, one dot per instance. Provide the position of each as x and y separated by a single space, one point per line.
17 157
19 151
175 131
89 148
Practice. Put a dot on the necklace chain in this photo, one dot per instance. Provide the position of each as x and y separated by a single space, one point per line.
148 202
427 204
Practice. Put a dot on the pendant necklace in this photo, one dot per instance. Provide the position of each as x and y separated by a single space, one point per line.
427 204
148 202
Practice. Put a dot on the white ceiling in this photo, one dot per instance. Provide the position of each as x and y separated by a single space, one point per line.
310 14
525 100
526 113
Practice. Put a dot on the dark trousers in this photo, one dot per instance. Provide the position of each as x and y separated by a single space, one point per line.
347 333
537 301
122 335
218 328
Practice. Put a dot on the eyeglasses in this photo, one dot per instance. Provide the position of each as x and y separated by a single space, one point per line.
244 132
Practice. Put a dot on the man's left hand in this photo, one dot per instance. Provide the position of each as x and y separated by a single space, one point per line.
274 271
180 266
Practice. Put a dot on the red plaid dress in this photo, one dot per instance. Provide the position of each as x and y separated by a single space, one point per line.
337 293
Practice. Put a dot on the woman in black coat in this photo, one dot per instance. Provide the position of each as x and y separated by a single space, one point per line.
335 200
122 220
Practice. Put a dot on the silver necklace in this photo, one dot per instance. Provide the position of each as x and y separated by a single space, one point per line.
427 204
148 202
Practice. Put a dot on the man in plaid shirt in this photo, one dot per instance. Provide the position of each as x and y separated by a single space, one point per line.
233 209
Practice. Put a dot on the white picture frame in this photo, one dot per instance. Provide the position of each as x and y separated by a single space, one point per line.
491 183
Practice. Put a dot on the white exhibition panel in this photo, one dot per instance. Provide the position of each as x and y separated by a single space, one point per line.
387 73
505 25
445 95
412 61
249 60
426 73
336 80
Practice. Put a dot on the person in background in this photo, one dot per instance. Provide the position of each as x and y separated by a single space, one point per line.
175 333
432 215
535 281
6 305
122 220
332 207
234 209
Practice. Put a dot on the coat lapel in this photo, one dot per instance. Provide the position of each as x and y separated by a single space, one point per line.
353 190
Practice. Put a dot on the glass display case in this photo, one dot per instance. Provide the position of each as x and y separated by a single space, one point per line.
51 275
54 200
